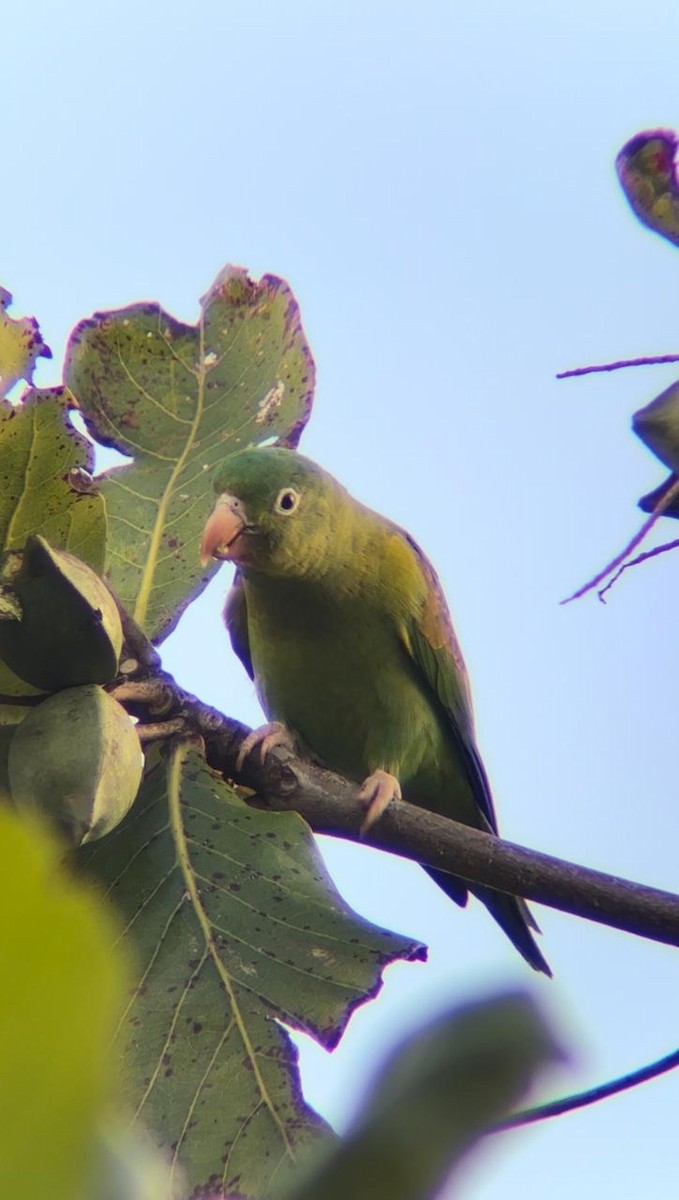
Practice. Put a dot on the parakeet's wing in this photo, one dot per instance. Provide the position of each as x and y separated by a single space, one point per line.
236 621
430 638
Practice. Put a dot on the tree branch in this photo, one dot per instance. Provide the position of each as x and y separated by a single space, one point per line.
329 804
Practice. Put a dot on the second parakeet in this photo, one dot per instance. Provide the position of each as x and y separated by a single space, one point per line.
340 619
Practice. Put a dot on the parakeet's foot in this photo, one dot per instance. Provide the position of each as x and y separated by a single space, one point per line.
376 794
266 737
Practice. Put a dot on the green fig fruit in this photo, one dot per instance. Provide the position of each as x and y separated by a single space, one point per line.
78 760
68 631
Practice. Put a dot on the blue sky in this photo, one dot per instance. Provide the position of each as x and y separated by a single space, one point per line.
436 183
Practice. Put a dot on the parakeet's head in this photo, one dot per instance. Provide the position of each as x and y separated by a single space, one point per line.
276 512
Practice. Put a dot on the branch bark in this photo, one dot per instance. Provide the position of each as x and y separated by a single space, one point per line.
329 805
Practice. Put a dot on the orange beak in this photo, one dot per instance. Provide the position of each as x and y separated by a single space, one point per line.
221 532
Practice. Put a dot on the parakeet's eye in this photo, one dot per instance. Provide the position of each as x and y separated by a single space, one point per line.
286 501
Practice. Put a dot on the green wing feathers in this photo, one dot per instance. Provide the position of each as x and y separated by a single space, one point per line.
236 621
430 639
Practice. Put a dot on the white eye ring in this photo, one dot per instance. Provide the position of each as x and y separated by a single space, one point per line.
287 501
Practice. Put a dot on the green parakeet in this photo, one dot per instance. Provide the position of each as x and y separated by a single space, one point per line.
340 620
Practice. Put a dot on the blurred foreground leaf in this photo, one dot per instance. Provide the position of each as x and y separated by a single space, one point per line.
432 1102
129 1167
177 398
61 991
236 924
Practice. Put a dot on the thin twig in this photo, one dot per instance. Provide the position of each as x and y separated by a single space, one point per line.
634 562
555 1108
23 701
653 360
664 502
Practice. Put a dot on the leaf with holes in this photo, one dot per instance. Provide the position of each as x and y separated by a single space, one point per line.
21 345
236 924
177 398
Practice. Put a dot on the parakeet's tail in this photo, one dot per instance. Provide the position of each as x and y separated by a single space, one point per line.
514 916
511 913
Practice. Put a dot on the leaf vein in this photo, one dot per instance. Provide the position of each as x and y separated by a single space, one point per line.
175 763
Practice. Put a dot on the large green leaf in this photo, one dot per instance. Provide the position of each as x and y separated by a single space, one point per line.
39 453
178 398
61 994
236 923
432 1102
